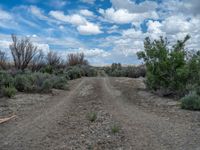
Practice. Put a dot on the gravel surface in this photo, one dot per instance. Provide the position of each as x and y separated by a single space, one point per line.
127 117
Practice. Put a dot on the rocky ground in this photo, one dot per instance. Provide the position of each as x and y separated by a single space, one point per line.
127 117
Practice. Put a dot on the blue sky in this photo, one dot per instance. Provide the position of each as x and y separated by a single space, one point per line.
105 30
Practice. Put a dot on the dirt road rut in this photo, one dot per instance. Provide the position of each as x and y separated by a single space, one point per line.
144 121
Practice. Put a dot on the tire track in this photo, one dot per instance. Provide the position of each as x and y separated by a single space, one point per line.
28 133
147 130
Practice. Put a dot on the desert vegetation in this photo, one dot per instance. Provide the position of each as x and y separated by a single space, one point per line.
125 102
92 116
117 70
169 70
30 70
115 128
172 71
99 75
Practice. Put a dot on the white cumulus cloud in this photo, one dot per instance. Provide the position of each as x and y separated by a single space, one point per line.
89 28
146 6
37 12
123 16
74 19
86 13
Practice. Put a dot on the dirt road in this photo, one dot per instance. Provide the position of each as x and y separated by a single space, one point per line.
145 121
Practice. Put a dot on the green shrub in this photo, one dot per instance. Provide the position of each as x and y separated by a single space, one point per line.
66 75
166 67
194 72
75 72
39 82
140 71
107 70
118 73
197 89
92 72
6 80
130 71
117 70
9 91
47 85
116 66
32 82
59 82
191 101
89 71
23 83
79 71
194 87
39 78
47 69
58 72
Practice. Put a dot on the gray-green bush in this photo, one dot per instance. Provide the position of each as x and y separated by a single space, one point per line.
191 101
34 82
47 85
74 72
39 82
9 91
6 84
23 83
6 79
117 70
59 82
89 71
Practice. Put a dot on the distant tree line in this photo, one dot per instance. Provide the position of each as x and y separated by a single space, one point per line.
117 70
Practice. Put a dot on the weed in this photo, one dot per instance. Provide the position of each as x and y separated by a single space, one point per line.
115 128
92 116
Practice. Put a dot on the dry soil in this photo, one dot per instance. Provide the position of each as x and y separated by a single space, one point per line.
60 120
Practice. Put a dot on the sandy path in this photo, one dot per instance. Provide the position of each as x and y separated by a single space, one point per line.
62 122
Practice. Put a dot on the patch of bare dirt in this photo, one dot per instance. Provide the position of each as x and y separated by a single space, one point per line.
151 121
60 120
78 132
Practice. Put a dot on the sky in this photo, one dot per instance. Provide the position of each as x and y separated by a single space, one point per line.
106 31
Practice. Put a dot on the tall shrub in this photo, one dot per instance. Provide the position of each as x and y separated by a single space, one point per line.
22 52
166 67
76 59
